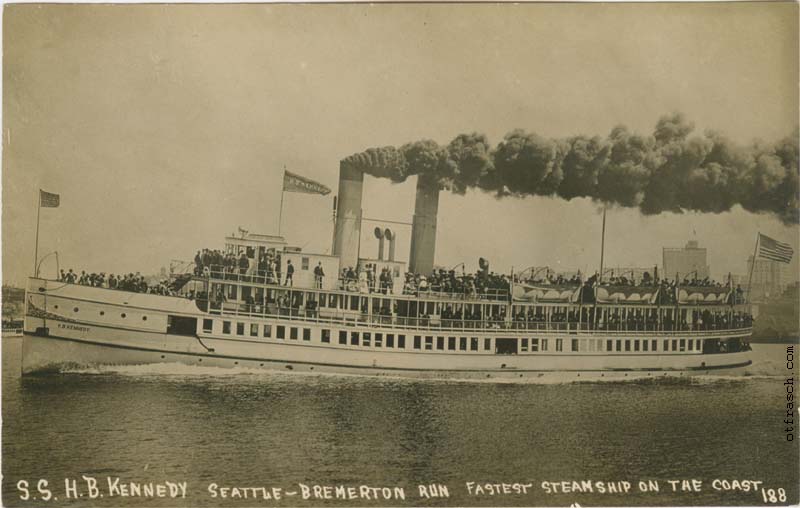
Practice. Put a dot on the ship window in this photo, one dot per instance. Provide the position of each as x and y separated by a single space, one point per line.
666 345
473 343
56 306
231 292
451 343
332 301
627 345
682 345
654 344
389 340
674 344
378 339
280 333
523 345
326 336
691 345
226 327
487 344
366 339
619 345
239 328
559 344
245 292
644 345
697 344
293 333
353 303
401 341
574 344
462 343
254 329
342 337
534 345
609 345
306 333
179 325
304 263
102 313
636 345
428 343
544 344
354 338
208 325
440 343
123 315
417 342
75 309
267 331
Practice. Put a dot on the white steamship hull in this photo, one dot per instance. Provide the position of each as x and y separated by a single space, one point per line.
71 325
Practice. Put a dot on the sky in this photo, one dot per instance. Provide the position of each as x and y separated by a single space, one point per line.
166 127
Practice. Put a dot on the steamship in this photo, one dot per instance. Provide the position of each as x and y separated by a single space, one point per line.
246 318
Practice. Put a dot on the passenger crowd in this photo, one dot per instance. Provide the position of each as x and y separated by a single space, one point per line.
127 282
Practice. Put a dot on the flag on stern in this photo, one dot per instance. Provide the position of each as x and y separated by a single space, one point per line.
48 199
769 248
297 183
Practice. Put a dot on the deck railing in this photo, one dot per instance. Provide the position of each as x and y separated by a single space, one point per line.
355 318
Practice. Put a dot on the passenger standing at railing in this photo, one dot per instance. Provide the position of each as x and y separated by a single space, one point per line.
289 273
319 273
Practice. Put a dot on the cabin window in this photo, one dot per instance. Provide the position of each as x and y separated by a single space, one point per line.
417 342
366 339
697 344
451 343
304 263
239 328
666 345
682 345
378 340
293 333
559 344
226 327
428 343
473 343
487 344
654 344
208 325
401 342
574 344
534 345
674 344
281 332
326 336
609 345
691 345
353 303
636 345
644 345
544 344
440 343
354 338
389 340
267 331
619 345
523 345
306 333
231 291
254 329
627 345
342 337
332 301
462 343
245 292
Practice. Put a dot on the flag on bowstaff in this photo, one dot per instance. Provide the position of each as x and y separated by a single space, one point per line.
297 183
48 199
769 248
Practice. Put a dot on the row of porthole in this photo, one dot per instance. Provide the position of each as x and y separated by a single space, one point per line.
103 313
237 363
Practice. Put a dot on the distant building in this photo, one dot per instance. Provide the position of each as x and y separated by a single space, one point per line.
686 260
769 279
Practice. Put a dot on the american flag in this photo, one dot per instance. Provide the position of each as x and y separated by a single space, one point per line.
774 250
48 199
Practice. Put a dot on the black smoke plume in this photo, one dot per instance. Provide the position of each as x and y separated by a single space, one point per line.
670 170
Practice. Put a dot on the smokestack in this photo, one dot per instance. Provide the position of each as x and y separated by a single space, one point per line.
348 217
379 236
392 238
423 229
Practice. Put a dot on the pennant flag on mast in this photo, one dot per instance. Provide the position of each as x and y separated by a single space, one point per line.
774 250
297 183
48 199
